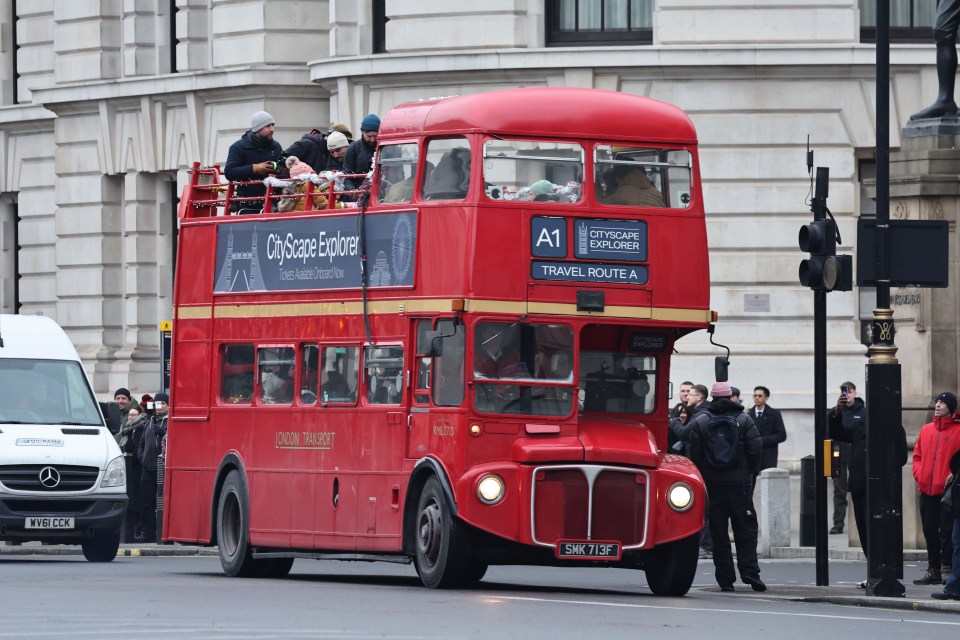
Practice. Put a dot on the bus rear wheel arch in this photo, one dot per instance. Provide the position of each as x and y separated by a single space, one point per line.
233 535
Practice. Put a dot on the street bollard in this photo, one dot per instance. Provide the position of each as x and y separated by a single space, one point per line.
774 509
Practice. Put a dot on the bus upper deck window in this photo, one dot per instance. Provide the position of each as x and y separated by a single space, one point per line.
398 172
533 170
447 172
642 176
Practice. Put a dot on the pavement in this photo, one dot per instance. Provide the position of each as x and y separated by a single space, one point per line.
917 598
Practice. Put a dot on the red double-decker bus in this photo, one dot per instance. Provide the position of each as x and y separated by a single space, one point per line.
467 366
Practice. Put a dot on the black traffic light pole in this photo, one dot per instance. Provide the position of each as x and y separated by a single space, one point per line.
819 208
884 539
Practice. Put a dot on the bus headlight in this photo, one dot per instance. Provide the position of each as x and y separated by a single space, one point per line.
680 496
115 475
490 489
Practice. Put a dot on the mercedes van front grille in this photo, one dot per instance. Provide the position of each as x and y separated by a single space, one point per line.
52 478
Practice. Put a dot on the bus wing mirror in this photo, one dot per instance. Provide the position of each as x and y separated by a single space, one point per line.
720 366
431 345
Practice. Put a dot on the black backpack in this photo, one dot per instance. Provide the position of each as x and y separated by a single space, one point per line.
722 444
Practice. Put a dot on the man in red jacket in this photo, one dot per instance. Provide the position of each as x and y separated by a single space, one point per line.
937 443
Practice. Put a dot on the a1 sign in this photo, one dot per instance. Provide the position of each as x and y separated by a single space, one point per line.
548 237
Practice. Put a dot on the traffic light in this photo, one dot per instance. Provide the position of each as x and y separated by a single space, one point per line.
824 270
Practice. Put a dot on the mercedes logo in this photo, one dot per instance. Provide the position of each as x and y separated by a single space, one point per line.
49 477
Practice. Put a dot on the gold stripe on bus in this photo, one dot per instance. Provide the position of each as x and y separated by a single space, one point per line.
442 305
204 312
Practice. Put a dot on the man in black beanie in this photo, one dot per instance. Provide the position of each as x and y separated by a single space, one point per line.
937 443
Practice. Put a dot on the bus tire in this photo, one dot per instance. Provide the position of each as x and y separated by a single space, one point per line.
233 529
275 567
442 540
675 566
102 547
475 571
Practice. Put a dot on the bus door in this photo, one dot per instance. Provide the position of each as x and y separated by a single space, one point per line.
438 388
379 461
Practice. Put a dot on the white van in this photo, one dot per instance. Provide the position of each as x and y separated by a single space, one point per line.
62 475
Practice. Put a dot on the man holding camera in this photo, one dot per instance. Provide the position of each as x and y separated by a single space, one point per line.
148 451
255 155
848 423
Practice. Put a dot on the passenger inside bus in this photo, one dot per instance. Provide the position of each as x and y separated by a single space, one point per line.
628 185
335 388
450 180
276 384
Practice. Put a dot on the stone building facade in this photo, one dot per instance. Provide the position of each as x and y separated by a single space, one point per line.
105 103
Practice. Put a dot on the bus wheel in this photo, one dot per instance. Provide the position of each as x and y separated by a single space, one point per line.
274 567
475 571
442 550
233 526
675 566
102 547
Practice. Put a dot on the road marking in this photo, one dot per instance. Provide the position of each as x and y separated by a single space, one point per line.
714 610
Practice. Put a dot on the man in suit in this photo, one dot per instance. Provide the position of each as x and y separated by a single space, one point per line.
770 425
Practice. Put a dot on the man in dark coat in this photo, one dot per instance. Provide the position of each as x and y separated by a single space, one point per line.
848 423
770 425
148 451
951 589
255 155
730 489
359 155
311 149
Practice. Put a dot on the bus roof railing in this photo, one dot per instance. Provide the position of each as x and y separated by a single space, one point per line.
209 194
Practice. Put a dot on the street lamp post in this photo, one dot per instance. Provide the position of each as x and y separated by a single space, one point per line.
884 513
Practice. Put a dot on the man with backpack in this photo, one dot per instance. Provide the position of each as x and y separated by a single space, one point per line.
726 447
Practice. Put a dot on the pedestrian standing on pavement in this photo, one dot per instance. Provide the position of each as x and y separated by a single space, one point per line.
735 397
951 590
938 441
725 446
769 423
848 423
696 405
685 387
148 452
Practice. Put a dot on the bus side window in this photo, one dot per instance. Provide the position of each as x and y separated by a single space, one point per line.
309 374
276 374
338 379
450 179
424 365
448 390
236 373
384 367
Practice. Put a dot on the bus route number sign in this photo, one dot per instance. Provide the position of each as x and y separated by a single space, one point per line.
588 550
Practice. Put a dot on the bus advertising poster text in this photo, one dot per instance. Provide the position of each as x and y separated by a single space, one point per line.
315 253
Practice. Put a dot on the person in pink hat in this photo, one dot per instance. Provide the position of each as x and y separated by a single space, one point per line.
726 447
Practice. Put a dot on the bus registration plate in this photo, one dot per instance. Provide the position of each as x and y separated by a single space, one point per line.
48 523
588 550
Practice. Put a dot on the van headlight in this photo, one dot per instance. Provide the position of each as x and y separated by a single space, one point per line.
115 474
490 489
680 496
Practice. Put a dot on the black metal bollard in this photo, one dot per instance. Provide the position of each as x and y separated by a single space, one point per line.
808 501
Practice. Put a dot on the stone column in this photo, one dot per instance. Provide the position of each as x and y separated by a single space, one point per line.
924 185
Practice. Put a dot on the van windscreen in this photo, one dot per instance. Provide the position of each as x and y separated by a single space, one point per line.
46 392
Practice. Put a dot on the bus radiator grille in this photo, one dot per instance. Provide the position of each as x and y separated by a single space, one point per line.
562 508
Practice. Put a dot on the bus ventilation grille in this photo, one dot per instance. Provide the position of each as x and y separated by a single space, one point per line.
562 509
